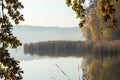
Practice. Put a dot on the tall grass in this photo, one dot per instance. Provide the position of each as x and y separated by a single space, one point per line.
68 78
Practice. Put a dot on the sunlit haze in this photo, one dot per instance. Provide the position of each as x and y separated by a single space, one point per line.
48 13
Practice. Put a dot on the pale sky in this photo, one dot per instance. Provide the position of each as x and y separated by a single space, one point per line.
48 13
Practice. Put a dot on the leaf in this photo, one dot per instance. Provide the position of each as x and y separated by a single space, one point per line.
68 2
16 21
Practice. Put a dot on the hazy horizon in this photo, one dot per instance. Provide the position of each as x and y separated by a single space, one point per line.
41 33
47 26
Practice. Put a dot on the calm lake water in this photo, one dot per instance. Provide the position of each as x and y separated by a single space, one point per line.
102 64
44 68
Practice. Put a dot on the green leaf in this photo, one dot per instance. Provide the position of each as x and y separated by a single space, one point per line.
16 21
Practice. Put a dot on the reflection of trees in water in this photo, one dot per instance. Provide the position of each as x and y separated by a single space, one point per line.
107 68
101 59
74 48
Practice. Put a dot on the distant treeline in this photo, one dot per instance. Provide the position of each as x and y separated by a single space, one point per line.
74 48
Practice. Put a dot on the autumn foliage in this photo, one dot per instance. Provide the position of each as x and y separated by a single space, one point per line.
9 67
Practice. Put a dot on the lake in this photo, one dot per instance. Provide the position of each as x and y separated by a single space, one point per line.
44 67
65 55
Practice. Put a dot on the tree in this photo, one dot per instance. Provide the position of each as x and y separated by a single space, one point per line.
9 67
99 16
106 7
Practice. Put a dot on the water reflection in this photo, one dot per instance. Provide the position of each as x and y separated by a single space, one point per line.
107 68
45 69
101 59
37 67
99 49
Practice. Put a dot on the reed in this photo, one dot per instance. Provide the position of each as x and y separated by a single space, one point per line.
68 78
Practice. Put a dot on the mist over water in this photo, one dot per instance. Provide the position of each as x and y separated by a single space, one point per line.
43 67
29 34
76 58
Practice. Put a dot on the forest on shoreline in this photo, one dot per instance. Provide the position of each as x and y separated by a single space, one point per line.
74 48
